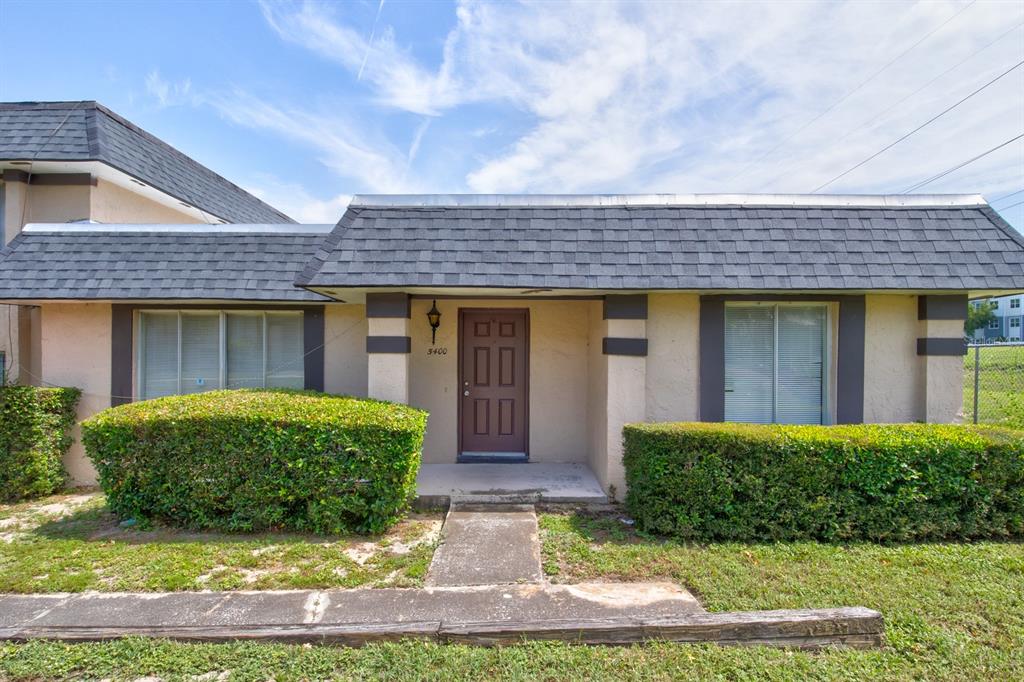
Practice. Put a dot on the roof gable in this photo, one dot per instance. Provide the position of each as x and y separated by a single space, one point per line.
88 131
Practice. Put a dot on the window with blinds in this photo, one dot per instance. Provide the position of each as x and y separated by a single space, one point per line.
776 360
188 352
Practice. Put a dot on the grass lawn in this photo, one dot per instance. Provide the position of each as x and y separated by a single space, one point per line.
71 543
953 611
1000 385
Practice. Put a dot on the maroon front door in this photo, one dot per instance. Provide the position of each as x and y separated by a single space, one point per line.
493 375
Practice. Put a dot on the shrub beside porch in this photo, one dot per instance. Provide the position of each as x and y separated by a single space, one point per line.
253 460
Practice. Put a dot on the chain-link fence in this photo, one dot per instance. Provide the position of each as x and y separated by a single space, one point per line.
994 384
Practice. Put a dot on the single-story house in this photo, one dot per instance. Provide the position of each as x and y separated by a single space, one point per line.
533 327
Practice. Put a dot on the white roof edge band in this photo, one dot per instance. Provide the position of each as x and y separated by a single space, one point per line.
567 200
199 228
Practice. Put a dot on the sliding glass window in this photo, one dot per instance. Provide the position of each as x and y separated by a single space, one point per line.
193 351
776 363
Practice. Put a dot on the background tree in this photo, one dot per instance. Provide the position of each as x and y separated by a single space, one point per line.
978 317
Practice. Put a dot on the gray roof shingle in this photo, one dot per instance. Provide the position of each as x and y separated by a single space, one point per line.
112 264
88 131
670 247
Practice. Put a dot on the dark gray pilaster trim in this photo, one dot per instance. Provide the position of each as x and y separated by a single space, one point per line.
951 307
121 388
388 344
313 347
388 305
625 307
712 359
850 363
620 346
942 346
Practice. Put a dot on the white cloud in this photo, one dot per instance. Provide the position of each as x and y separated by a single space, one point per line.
675 97
169 93
346 148
296 202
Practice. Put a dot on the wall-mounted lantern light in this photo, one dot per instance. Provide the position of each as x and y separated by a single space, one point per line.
434 317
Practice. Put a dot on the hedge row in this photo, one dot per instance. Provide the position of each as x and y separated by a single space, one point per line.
873 482
35 425
254 460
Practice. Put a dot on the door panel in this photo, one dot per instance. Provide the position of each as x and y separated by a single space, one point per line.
493 381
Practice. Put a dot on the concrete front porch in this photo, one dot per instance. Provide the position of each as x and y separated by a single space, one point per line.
508 483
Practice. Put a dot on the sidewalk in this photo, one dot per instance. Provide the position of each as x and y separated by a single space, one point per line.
485 587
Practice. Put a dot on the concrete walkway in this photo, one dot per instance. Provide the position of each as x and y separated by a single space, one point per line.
485 586
487 545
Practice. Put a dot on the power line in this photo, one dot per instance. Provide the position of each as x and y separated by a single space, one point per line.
918 128
882 113
959 166
851 92
1007 208
1006 196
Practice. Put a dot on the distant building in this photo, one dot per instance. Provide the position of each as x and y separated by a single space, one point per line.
1007 323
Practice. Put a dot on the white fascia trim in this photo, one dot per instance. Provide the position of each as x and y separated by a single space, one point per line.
580 200
200 228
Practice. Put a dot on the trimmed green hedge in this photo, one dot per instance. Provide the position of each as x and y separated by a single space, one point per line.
253 460
35 425
873 482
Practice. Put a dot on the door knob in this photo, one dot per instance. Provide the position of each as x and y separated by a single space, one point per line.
465 393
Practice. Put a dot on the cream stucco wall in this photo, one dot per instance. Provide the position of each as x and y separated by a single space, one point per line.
892 378
345 363
673 359
111 203
941 376
558 377
75 349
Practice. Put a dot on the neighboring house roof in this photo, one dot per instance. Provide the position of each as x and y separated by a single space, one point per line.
111 262
87 131
670 242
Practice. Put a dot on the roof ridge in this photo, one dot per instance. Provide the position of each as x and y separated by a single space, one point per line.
437 201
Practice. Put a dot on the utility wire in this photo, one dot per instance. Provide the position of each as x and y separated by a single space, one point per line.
1007 208
946 172
1006 196
882 113
918 128
842 99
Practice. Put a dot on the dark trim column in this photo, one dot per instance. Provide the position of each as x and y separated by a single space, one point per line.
850 363
313 347
712 359
121 334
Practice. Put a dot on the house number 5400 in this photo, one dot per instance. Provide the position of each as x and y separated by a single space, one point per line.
437 351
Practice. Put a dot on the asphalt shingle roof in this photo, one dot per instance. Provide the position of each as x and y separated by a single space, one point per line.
670 247
102 265
87 131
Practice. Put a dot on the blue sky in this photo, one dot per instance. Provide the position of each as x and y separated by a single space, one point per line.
307 103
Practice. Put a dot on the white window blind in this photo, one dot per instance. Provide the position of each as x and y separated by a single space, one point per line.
284 351
200 352
193 351
158 346
800 396
749 363
245 350
776 363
